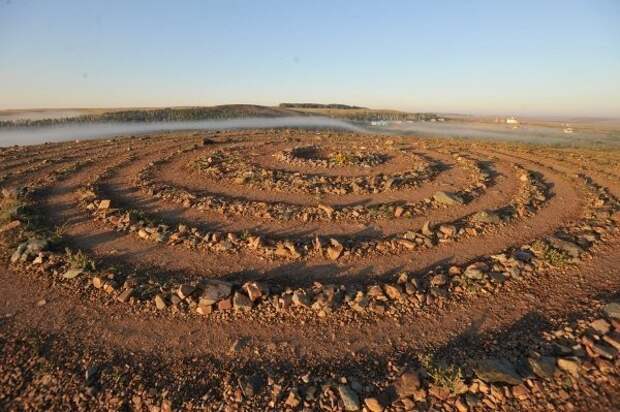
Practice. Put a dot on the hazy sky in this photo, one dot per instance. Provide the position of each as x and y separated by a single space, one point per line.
526 57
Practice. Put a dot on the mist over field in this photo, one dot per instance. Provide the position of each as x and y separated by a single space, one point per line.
524 133
38 135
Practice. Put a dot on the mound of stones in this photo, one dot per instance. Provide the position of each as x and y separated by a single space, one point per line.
308 155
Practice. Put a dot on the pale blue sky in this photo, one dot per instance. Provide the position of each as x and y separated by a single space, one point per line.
500 57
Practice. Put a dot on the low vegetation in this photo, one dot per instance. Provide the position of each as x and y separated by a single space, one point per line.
443 374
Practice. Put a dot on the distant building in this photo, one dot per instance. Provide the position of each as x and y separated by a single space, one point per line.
568 130
378 123
511 120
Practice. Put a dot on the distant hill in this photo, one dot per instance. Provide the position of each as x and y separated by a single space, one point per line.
366 115
221 112
174 114
318 106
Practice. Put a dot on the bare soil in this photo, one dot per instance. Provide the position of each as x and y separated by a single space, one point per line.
71 344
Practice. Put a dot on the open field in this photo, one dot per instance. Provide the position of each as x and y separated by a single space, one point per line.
285 269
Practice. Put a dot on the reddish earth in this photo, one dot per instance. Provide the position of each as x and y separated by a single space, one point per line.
385 313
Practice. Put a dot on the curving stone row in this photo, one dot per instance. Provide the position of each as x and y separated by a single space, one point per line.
232 166
532 196
480 176
406 292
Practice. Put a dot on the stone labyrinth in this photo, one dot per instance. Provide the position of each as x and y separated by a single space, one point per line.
323 270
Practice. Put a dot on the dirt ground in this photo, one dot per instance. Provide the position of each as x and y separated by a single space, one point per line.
217 271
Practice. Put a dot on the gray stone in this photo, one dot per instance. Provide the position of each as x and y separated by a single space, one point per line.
215 291
407 384
36 245
605 351
485 216
300 298
241 302
476 271
543 367
349 398
185 291
569 247
445 198
612 310
495 370
73 273
125 295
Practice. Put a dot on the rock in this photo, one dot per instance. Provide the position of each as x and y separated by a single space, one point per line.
407 384
349 398
36 245
601 326
448 230
445 198
73 273
300 298
604 351
185 291
329 211
293 399
16 256
10 226
251 385
160 302
440 392
613 340
612 310
439 280
98 282
460 406
204 309
520 392
523 256
398 212
476 271
255 290
543 367
41 302
392 292
486 216
569 247
125 295
224 304
569 366
241 302
426 229
373 405
215 291
105 204
495 370
335 250
407 244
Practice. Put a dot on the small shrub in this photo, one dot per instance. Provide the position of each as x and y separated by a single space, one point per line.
10 209
340 159
79 260
447 376
552 256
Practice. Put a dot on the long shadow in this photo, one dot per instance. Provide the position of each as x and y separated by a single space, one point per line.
165 369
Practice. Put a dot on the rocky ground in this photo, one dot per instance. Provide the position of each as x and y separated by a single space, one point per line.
308 270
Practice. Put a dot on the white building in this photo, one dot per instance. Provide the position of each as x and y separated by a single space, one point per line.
511 120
